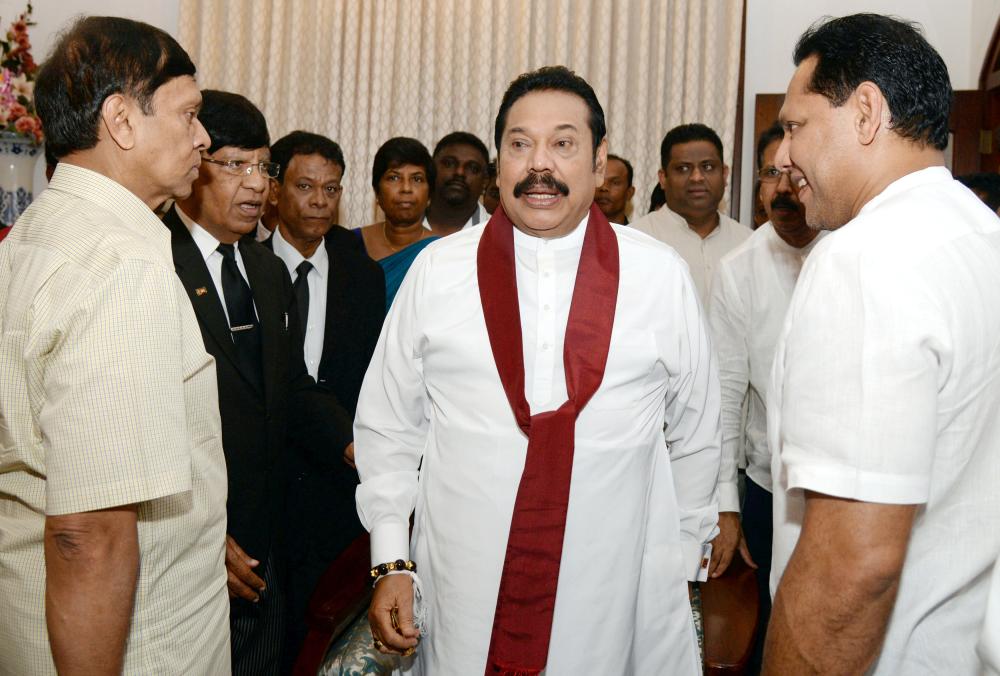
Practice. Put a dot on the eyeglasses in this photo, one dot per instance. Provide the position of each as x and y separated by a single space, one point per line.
244 168
770 174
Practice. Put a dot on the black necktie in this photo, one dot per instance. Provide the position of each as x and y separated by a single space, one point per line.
301 288
243 322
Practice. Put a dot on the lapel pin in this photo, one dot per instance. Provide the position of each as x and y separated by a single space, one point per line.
200 291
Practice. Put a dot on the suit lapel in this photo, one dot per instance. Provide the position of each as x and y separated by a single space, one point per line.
266 297
336 303
193 273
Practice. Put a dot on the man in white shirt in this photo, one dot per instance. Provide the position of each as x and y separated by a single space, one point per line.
112 475
461 161
693 177
552 299
750 296
884 408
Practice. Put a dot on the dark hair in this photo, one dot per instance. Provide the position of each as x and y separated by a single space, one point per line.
895 56
96 57
657 198
399 151
628 166
491 169
986 183
686 133
463 138
231 120
773 133
553 78
304 143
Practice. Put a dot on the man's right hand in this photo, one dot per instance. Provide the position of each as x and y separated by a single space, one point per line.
725 544
242 581
393 592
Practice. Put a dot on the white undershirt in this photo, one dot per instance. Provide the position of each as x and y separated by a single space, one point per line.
318 279
209 248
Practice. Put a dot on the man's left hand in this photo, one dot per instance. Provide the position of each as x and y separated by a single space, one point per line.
726 543
349 455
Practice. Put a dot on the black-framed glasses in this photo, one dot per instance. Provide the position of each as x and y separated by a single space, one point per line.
770 174
245 168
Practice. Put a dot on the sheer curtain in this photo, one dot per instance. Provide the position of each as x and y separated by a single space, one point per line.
362 71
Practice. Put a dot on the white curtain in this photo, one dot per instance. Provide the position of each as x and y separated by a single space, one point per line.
363 71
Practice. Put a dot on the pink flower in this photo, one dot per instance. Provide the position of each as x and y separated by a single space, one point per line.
26 125
16 112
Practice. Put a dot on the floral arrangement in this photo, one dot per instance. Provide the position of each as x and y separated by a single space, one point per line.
17 81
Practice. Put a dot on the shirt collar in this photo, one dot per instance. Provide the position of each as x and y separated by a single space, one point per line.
904 183
112 196
292 258
681 223
782 245
206 243
573 240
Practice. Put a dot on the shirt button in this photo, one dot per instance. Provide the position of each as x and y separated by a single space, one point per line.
546 274
547 308
545 346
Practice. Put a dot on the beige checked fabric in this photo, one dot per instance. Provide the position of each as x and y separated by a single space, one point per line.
107 397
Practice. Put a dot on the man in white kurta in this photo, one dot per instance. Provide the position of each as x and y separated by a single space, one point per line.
888 391
435 431
884 410
432 393
693 176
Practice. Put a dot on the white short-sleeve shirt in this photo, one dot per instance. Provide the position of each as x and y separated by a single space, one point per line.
886 388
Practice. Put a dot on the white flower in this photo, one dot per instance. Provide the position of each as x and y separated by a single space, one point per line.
22 86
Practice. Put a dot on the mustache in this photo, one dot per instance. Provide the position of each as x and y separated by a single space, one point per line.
784 202
458 180
546 180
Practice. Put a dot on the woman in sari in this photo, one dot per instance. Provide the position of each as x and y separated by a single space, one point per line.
403 179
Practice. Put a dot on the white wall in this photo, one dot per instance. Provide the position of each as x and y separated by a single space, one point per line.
54 15
51 16
959 29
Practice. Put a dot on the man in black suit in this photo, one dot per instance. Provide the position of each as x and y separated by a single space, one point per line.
341 297
243 298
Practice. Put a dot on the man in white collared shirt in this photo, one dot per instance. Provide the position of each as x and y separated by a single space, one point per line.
693 177
461 161
750 295
112 475
884 408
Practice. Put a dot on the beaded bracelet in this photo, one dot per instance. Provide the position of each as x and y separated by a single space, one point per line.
386 568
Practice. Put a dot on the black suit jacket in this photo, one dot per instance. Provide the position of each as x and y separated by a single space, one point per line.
322 514
355 287
258 428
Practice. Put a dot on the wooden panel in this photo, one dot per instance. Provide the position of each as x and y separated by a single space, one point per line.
965 124
765 114
990 161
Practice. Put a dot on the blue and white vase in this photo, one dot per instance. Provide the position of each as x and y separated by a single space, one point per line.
17 174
